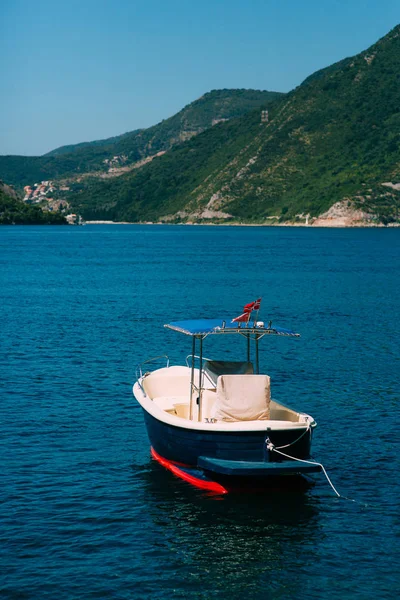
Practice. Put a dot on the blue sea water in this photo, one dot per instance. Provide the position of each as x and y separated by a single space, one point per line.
85 512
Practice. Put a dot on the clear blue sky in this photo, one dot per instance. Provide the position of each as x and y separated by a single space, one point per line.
81 70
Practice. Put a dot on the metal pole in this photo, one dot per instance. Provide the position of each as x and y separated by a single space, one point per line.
192 379
257 361
248 348
200 380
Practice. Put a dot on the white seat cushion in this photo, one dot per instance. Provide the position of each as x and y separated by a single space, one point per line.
165 383
242 398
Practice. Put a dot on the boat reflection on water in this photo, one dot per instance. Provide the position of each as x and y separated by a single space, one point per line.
234 541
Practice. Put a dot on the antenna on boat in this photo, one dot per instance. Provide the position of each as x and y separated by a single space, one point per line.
256 307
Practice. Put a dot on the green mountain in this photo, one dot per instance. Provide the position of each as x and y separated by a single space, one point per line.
14 212
332 143
115 155
104 143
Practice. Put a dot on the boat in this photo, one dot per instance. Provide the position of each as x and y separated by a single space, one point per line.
213 422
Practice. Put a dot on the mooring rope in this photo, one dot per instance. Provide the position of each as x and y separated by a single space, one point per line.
296 440
272 448
277 449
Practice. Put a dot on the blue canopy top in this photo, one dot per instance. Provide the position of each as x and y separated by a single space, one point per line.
203 327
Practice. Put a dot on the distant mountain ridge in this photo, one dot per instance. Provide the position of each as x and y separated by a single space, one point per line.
74 147
330 150
126 150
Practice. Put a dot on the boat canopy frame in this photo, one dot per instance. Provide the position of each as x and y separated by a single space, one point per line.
201 328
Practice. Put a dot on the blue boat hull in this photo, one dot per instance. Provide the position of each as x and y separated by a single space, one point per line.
185 446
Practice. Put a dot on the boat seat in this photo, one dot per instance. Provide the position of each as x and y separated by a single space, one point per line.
168 402
161 384
214 368
242 398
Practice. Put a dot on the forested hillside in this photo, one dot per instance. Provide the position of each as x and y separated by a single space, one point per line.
106 157
334 139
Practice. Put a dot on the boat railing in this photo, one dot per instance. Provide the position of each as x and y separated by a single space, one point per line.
194 356
189 364
139 368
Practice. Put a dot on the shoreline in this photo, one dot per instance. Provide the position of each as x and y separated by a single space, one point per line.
327 225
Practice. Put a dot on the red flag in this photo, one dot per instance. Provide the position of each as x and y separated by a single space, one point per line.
249 307
247 310
244 318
